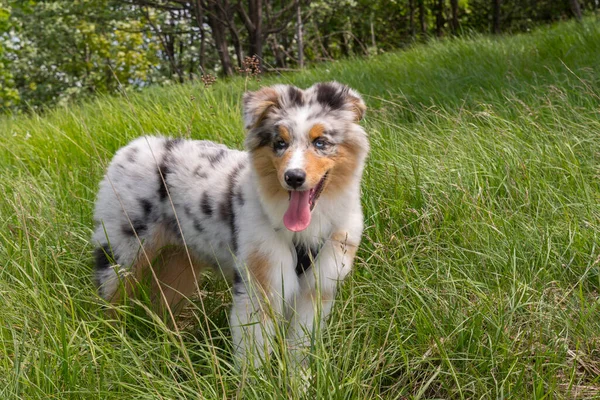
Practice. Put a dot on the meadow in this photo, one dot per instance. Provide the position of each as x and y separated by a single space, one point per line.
478 275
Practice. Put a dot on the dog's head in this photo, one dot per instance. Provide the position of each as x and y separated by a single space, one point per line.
305 143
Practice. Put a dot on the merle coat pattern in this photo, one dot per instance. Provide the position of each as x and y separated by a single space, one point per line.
281 220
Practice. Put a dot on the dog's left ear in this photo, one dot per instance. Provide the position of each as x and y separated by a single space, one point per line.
357 105
337 96
257 105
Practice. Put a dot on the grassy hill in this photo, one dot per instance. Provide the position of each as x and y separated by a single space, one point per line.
479 272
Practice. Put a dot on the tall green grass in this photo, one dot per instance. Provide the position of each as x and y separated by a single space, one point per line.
479 272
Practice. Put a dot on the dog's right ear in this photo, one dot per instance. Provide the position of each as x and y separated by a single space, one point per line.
257 105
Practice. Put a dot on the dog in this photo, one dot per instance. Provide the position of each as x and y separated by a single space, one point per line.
281 220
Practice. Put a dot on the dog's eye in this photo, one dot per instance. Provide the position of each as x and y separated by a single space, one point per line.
280 144
320 143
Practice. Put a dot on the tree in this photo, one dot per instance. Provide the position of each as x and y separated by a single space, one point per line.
454 20
422 16
9 95
65 49
496 16
52 51
576 9
439 17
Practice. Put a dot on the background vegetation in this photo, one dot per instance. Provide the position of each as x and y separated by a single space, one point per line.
54 51
478 276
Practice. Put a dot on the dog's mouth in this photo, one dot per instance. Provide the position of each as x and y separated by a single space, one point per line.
298 215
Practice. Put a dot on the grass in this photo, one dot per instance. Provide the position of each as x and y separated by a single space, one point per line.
479 272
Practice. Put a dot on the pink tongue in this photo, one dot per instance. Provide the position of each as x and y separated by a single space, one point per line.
297 216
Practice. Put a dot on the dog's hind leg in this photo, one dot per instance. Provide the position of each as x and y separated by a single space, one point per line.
160 265
175 279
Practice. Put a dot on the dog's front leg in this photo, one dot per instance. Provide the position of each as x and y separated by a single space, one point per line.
318 286
265 283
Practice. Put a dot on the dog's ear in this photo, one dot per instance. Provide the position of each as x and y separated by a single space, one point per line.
357 105
337 96
257 105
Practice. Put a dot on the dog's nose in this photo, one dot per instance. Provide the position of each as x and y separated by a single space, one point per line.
295 177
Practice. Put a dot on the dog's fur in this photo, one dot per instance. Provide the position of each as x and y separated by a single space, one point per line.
167 208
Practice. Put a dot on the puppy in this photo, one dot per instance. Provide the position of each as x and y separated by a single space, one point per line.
282 219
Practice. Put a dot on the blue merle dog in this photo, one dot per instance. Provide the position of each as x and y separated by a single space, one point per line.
282 220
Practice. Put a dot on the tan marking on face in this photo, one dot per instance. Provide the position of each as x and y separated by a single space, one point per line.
345 163
284 133
270 169
316 167
316 131
259 267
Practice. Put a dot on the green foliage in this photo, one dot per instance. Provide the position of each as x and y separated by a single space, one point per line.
55 51
67 49
479 272
9 95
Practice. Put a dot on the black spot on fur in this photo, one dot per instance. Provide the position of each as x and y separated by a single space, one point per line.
206 204
264 138
137 226
237 278
332 96
227 211
195 221
127 230
199 173
304 257
101 259
238 284
147 207
132 154
171 143
172 225
163 168
163 171
240 197
295 96
216 158
197 225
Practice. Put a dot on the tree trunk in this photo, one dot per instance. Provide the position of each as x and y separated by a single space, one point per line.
496 16
253 21
235 38
576 9
277 52
166 43
439 18
422 23
255 14
299 33
192 63
373 43
454 20
202 54
219 38
199 17
411 18
344 46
